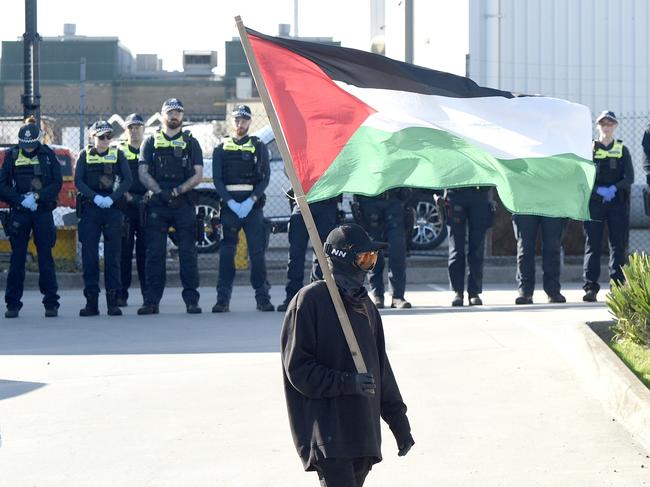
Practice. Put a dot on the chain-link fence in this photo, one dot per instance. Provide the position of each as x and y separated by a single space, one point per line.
68 128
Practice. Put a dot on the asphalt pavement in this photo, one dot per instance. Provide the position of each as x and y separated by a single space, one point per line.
179 400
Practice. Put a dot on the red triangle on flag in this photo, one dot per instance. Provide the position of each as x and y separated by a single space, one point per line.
317 117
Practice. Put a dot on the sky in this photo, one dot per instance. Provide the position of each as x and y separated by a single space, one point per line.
168 27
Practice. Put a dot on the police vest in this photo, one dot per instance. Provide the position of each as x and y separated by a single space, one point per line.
101 171
171 159
28 171
609 164
132 157
241 169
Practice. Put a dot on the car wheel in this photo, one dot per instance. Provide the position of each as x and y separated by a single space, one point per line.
208 237
430 228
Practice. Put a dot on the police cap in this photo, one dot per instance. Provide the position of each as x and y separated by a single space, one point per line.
134 119
243 111
29 136
100 127
172 104
607 114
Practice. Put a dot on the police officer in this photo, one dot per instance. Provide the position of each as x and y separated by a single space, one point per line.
102 176
325 215
470 213
171 165
30 181
526 228
133 231
241 172
609 203
382 216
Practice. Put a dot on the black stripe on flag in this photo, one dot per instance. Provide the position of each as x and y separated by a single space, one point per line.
369 70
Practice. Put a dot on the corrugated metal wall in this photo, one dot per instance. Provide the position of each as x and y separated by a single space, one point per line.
595 52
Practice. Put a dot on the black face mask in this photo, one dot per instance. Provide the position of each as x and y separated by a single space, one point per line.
349 279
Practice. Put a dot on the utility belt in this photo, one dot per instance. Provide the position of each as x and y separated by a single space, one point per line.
475 189
402 194
42 206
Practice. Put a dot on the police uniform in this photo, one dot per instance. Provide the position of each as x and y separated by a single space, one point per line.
36 173
98 177
171 162
470 213
382 216
241 173
133 231
614 173
325 217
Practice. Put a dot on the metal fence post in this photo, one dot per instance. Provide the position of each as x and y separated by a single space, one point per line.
82 101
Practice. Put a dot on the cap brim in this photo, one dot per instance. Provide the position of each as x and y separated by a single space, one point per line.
371 247
102 132
600 119
135 122
241 115
171 109
28 145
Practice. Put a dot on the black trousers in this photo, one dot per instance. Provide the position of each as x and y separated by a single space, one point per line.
133 234
343 472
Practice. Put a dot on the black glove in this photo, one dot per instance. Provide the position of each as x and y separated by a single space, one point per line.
405 445
361 384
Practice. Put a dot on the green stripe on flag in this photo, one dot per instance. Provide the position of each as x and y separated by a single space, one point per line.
374 161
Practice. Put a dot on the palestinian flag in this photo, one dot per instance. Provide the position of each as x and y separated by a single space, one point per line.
357 122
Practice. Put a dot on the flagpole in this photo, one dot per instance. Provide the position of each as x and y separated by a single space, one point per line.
301 199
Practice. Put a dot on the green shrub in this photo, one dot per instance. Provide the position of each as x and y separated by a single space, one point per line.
630 302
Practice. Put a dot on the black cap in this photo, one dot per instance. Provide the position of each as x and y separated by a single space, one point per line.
100 127
607 114
29 136
350 239
172 104
134 119
242 111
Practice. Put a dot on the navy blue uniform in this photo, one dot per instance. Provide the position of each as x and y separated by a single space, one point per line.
240 169
383 217
37 172
325 215
171 170
470 215
133 233
526 228
613 168
110 178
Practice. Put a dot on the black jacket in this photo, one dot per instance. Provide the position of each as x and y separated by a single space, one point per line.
52 179
123 171
646 153
316 360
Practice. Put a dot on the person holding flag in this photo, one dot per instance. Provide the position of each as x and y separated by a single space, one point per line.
335 412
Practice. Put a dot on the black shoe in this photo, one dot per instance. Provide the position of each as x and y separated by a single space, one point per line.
400 303
264 304
11 313
193 309
283 307
220 307
556 298
475 301
379 301
91 308
458 300
148 309
51 312
524 299
122 303
111 304
590 296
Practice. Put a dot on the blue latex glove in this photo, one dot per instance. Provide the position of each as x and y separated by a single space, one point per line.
29 202
108 202
234 206
99 201
246 207
612 191
603 192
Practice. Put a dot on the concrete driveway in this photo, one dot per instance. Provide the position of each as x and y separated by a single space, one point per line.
179 400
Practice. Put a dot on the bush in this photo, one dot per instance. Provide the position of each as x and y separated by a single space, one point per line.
630 302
